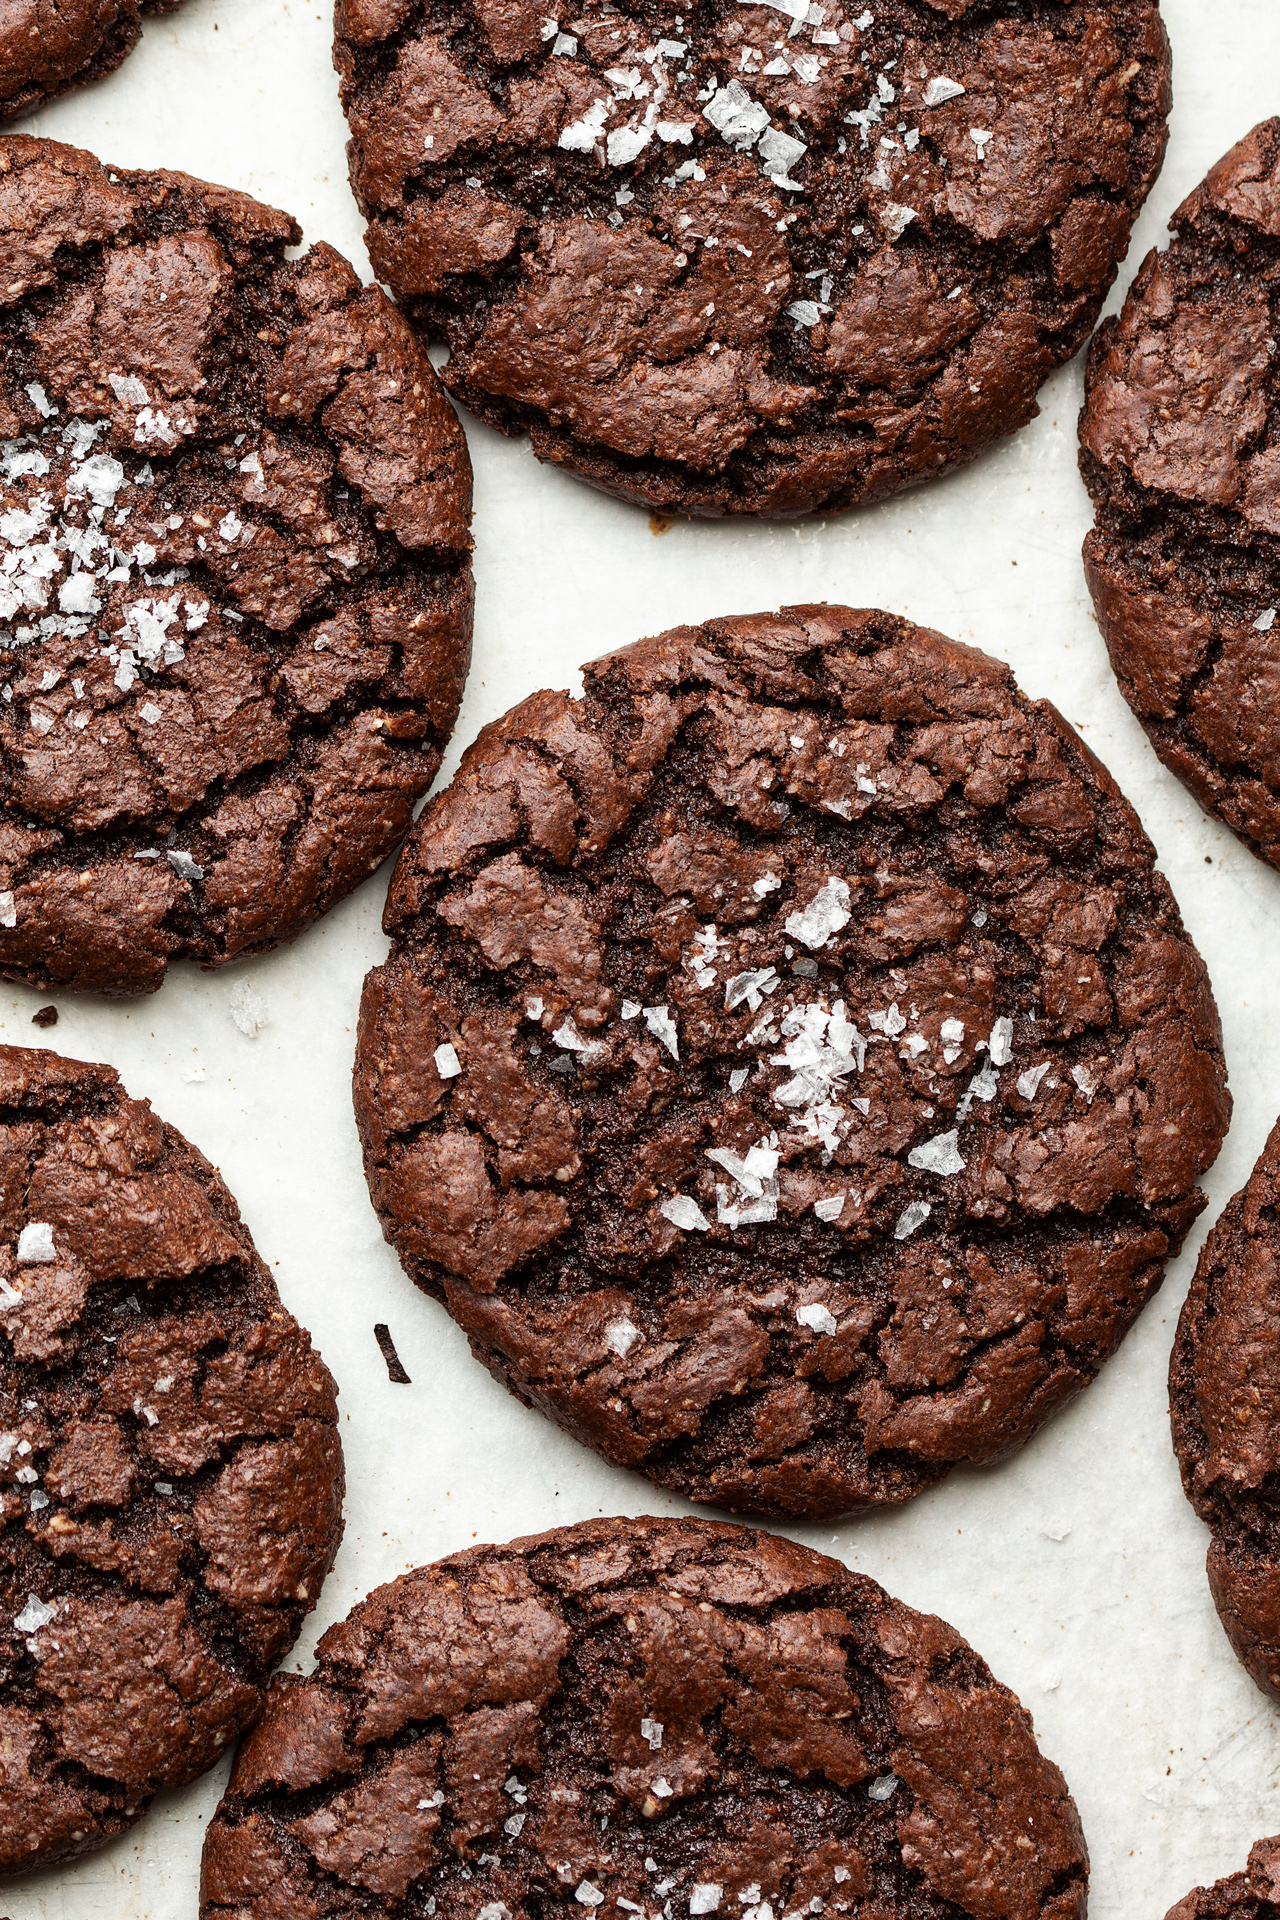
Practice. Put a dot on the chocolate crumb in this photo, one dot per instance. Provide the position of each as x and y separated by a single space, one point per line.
387 1347
46 1017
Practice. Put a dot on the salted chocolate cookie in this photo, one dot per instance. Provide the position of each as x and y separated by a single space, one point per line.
1180 448
235 590
1224 1392
170 1470
790 1070
1252 1895
49 46
643 1717
774 259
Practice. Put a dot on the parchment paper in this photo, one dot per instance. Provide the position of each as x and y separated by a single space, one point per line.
1077 1569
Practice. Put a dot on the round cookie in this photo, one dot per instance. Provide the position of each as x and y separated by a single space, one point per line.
643 1717
1224 1378
1252 1895
1180 449
790 1070
170 1470
45 50
235 587
769 259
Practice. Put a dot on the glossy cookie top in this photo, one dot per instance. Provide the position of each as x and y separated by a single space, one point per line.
790 1069
642 1716
170 1470
235 589
774 259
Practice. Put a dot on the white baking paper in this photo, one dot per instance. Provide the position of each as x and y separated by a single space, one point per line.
1076 1569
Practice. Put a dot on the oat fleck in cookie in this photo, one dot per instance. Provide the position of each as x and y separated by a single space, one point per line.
1252 1895
49 46
1224 1382
790 1070
170 1470
643 1717
734 258
235 590
1180 448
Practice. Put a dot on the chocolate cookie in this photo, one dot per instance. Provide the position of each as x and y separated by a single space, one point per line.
49 46
1224 1391
1252 1895
643 1717
1180 448
235 593
170 1470
791 1070
765 259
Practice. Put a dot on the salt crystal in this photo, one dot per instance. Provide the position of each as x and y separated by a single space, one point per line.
514 1824
738 1079
128 389
651 1730
749 986
820 1318
685 1213
882 1787
185 868
831 1208
248 1009
736 117
621 1335
941 88
35 1243
448 1065
1029 1082
151 713
533 1007
588 1895
631 1010
910 1218
828 911
767 883
34 1615
1086 1081
938 1155
8 910
1265 621
705 1897
1000 1045
567 1037
890 1023
805 313
40 400
663 1028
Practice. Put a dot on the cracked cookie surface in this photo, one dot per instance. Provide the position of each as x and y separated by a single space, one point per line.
1251 1895
1224 1388
1180 449
790 1070
639 1717
767 259
235 586
170 1469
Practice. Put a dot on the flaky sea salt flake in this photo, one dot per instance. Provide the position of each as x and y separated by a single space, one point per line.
938 1155
621 1335
706 1897
448 1065
663 1028
911 1218
814 925
36 1614
684 1212
819 1318
941 88
35 1243
248 1009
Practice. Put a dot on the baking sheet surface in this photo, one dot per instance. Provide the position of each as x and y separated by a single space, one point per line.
1077 1569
